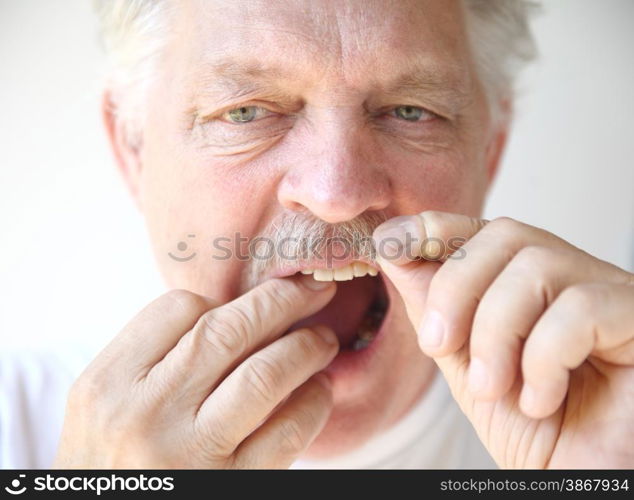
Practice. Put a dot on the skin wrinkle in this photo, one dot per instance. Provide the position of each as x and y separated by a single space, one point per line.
333 160
342 161
251 78
276 95
338 45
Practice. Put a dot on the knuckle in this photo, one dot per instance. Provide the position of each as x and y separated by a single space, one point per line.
293 439
87 388
513 232
533 258
226 330
430 213
435 226
261 378
537 360
505 231
280 297
432 217
504 225
217 442
91 399
539 265
582 297
321 395
307 343
439 223
504 234
185 301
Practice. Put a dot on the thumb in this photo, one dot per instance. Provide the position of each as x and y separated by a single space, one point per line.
410 249
412 283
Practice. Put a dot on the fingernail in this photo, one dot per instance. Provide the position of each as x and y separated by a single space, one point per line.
392 237
313 284
478 376
432 331
433 249
327 335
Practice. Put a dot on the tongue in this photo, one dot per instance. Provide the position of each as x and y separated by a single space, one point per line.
346 310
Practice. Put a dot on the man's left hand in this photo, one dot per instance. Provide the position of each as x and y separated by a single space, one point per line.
534 336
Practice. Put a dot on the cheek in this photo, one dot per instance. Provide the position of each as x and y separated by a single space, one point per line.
185 194
451 181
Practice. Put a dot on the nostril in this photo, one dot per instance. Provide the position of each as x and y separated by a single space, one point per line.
292 205
334 194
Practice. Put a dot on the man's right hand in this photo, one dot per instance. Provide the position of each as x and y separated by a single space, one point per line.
189 384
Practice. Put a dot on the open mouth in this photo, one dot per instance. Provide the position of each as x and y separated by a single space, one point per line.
357 310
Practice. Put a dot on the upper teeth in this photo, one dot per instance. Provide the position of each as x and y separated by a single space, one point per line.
354 270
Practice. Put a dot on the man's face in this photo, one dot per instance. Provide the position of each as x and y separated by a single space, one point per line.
334 111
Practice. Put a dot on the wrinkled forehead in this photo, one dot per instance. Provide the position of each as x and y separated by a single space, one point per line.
352 40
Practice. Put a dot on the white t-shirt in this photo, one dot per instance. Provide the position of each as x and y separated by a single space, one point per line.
434 434
34 386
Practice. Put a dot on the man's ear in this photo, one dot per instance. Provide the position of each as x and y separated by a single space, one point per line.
497 141
126 152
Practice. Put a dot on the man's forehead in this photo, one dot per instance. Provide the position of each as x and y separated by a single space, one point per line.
390 46
341 32
322 16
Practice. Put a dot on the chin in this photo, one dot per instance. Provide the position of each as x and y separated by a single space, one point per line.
374 387
368 411
379 372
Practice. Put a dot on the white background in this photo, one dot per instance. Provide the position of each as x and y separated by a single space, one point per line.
74 260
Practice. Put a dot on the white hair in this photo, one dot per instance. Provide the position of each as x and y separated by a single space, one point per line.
502 44
134 31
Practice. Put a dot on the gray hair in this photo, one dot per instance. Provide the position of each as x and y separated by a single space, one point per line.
134 31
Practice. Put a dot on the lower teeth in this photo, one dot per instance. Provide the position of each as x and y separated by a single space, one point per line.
365 334
370 325
360 344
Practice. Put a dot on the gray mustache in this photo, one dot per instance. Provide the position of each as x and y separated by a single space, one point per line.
301 238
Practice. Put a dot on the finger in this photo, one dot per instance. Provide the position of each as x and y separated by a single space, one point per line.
460 284
153 332
260 383
412 282
511 306
444 320
401 242
588 319
430 235
442 308
290 430
225 336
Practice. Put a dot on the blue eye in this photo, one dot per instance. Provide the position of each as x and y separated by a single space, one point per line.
411 113
245 114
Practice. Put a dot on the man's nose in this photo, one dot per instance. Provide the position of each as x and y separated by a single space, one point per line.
338 177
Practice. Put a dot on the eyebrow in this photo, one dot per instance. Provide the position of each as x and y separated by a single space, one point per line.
423 79
449 84
445 84
228 73
230 80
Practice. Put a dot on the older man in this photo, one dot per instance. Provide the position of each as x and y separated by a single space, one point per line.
307 124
